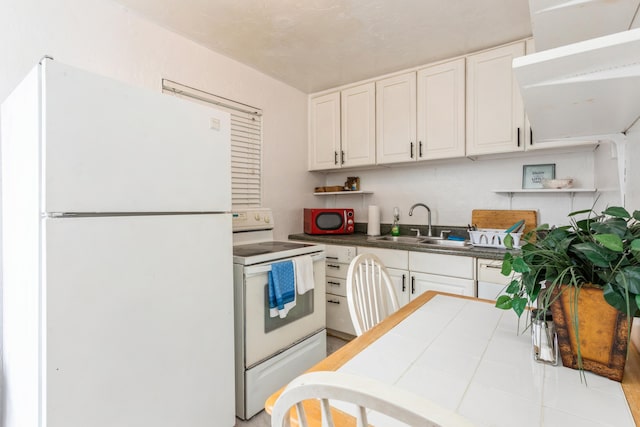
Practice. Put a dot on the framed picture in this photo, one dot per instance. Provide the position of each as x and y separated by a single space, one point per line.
532 175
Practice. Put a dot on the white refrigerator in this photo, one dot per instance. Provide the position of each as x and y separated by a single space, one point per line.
117 256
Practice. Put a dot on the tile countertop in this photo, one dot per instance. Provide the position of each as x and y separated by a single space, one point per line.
359 239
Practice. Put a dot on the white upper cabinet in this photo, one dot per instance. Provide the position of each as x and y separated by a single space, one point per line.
358 126
441 109
396 119
324 132
495 113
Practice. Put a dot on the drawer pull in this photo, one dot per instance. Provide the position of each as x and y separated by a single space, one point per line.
332 257
495 267
333 301
333 266
333 283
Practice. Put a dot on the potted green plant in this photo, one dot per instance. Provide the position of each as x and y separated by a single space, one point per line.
558 269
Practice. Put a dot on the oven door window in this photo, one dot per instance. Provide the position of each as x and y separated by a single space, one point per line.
329 221
303 307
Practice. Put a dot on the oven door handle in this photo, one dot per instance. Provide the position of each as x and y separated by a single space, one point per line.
254 270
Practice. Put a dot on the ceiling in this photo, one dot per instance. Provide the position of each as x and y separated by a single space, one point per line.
318 44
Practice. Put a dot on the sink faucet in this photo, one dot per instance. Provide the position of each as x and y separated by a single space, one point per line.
430 232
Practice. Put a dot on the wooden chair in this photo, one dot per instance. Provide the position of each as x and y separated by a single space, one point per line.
317 389
370 293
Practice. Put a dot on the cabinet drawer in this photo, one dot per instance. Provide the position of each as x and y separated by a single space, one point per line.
391 258
446 265
342 254
336 286
337 269
338 317
489 272
431 282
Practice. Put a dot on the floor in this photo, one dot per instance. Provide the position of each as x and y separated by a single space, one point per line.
262 419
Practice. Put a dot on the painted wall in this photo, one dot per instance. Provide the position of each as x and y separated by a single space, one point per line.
453 188
103 37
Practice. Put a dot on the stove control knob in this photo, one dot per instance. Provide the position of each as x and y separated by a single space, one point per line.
267 219
257 217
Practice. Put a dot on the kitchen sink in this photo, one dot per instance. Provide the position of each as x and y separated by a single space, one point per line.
424 240
445 242
400 239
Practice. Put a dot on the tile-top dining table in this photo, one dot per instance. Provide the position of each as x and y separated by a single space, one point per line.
471 357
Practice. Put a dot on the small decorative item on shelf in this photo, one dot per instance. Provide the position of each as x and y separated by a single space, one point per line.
557 183
352 184
533 175
329 189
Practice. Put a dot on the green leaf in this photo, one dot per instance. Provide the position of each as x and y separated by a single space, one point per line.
635 244
504 302
596 254
615 297
610 241
637 302
513 287
519 266
584 211
617 211
629 278
506 264
508 241
615 226
519 304
636 215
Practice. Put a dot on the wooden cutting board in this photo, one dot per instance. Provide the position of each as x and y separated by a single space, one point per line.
503 219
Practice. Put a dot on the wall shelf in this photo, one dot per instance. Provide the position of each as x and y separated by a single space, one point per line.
571 191
547 190
341 193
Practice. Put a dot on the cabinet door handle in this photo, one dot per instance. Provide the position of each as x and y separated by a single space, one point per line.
413 285
333 301
530 136
342 157
335 157
420 149
411 148
333 266
333 283
404 285
518 137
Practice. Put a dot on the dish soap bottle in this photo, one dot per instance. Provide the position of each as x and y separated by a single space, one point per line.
395 229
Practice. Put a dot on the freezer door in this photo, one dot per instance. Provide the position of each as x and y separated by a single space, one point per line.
138 322
110 147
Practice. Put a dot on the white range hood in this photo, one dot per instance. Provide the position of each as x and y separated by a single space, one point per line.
589 89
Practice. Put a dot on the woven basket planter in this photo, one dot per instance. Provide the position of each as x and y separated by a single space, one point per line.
603 331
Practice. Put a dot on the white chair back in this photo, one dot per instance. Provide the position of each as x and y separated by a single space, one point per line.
370 293
365 395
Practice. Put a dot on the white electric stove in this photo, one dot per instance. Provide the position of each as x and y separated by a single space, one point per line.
271 351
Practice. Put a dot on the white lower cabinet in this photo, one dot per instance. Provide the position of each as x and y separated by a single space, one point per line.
414 273
337 265
439 272
397 264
